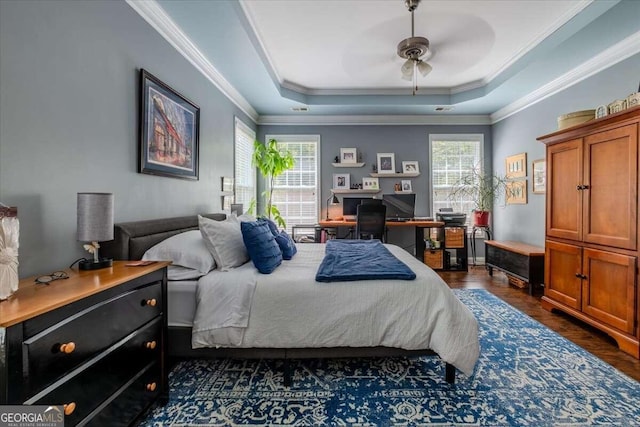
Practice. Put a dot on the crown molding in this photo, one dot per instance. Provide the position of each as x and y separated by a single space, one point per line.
155 15
385 120
607 58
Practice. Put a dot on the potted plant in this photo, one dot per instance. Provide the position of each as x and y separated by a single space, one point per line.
271 162
483 190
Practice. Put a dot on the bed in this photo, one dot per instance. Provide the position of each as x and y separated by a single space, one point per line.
301 318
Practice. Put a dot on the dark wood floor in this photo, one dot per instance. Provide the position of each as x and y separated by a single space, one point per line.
587 337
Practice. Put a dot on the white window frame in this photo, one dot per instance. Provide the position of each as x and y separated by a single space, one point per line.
305 138
240 125
479 137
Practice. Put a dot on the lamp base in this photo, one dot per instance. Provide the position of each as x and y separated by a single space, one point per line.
91 265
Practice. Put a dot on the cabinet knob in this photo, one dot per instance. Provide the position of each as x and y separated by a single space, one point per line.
150 302
150 345
151 386
67 348
69 408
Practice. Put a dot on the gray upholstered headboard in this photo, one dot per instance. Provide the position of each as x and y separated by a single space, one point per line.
132 239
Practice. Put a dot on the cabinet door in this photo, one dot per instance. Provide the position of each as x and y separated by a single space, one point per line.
609 290
564 200
562 273
610 203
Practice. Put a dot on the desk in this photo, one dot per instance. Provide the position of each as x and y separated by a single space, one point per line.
419 226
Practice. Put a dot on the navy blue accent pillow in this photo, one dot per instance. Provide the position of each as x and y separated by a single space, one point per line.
261 246
272 226
287 246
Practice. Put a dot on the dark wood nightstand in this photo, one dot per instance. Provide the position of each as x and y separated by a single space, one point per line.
95 342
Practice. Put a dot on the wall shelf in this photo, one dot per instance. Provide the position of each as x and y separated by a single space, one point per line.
394 175
353 191
403 192
348 165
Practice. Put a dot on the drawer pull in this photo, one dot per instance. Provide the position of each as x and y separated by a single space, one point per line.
69 408
150 345
150 302
66 348
151 386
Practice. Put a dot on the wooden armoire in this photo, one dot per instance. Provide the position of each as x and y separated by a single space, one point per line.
591 247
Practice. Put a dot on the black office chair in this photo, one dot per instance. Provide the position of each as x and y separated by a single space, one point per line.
370 221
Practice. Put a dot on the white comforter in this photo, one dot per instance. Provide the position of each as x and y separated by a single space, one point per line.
289 309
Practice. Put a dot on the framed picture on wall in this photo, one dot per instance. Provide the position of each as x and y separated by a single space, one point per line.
348 155
539 176
370 183
386 163
406 186
516 166
169 131
410 167
516 192
341 181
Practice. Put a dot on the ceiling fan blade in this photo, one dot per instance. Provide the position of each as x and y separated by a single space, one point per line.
424 68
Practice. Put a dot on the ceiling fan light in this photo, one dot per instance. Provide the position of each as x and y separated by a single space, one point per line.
407 69
424 68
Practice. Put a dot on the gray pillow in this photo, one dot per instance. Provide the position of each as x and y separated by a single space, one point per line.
224 241
186 249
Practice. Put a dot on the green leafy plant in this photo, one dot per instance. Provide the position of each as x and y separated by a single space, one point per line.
482 189
271 162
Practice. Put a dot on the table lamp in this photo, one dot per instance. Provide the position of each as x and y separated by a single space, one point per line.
95 224
332 200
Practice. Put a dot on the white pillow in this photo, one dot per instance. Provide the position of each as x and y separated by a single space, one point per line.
224 241
186 249
176 272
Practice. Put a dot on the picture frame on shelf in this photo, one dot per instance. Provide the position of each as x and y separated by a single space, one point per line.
405 185
370 183
167 116
410 166
341 181
516 166
386 163
348 155
516 192
538 183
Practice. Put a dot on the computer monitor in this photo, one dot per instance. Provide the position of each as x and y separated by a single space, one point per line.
399 206
350 206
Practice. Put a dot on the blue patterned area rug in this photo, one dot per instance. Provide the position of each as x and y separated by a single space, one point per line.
527 375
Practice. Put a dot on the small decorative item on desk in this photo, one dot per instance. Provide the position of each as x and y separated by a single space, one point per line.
9 233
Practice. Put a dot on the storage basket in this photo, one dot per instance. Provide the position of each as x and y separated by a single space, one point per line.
433 258
454 237
518 283
575 118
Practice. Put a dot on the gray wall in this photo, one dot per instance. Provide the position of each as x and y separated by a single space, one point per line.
518 133
68 122
406 142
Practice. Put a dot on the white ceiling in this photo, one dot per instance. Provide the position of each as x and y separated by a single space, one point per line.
337 58
351 44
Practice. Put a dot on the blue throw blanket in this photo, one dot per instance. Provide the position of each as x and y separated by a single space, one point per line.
348 260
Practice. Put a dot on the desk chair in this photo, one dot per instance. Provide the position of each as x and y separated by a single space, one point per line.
370 221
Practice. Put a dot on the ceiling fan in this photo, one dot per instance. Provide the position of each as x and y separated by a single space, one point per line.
413 49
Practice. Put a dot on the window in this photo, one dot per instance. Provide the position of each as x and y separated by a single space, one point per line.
295 192
244 172
452 156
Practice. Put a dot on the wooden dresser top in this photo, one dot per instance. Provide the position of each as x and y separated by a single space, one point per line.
33 299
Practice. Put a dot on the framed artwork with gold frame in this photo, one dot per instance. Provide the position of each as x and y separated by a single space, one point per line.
516 166
516 192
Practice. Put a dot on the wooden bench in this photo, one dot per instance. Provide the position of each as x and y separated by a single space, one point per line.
523 263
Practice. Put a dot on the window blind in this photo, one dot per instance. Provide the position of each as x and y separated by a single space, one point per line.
244 172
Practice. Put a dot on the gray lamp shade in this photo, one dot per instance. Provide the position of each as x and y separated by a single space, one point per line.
95 217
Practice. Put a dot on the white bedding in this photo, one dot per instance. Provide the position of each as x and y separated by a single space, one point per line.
289 309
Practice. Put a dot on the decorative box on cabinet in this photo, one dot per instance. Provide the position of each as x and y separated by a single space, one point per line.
95 342
591 247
